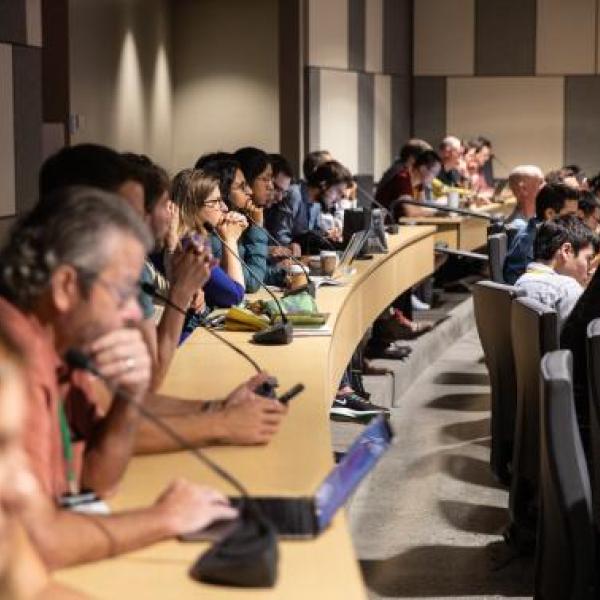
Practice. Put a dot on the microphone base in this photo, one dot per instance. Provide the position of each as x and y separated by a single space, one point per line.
276 335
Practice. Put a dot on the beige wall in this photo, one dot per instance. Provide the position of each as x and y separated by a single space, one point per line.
120 79
226 82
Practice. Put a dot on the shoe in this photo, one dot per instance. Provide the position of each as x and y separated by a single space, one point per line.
383 349
351 407
418 304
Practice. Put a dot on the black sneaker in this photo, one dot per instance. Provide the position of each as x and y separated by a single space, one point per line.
352 407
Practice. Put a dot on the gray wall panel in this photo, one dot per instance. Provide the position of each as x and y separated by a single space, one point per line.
27 78
13 21
366 123
312 118
401 112
356 35
582 122
397 37
505 34
429 108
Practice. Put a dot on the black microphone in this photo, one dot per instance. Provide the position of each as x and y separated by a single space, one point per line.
278 334
391 227
496 221
310 285
150 289
248 556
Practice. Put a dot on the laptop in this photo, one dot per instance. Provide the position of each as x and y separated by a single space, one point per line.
344 266
295 518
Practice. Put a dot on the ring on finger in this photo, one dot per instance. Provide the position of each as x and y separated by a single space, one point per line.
130 363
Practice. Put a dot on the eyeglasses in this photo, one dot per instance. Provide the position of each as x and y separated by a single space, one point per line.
264 179
213 203
122 294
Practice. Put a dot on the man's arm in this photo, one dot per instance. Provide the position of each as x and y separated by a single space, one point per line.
243 418
65 538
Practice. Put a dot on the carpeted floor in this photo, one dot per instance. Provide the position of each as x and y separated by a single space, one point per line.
427 522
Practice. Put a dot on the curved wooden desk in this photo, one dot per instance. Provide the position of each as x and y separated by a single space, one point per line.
294 463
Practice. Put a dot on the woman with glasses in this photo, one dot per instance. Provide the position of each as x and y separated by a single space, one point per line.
198 198
239 196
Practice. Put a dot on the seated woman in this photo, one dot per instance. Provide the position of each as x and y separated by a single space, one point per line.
22 573
198 198
253 245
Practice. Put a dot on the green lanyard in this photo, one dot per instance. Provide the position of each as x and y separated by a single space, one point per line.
65 434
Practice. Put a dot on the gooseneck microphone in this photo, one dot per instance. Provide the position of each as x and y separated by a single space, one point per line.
310 285
391 227
149 289
267 388
441 208
248 556
278 334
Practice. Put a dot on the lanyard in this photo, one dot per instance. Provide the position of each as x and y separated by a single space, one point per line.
67 446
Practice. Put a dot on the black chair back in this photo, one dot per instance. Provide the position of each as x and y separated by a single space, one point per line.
497 247
565 552
492 304
534 332
593 371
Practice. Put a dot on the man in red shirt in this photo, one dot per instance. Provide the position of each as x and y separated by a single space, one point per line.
69 280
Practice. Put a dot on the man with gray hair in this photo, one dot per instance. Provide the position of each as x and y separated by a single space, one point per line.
450 151
69 280
524 182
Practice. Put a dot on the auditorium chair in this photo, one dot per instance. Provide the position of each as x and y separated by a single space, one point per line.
492 306
593 370
565 553
534 332
497 246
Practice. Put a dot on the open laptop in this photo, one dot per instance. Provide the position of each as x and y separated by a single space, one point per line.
344 266
308 517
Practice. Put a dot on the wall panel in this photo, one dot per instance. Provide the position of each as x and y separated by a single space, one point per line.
444 37
523 116
7 147
566 36
382 155
339 116
328 33
373 36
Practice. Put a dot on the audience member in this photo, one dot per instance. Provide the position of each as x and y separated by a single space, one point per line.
552 200
588 210
562 252
145 187
524 182
69 280
313 160
450 152
408 183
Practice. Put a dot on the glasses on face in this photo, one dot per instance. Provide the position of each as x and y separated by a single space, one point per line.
241 187
266 179
123 295
214 203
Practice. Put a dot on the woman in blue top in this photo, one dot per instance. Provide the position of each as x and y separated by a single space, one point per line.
198 197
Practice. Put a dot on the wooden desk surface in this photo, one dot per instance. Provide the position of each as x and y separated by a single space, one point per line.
294 463
461 231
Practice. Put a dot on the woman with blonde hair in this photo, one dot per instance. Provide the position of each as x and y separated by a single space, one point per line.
198 200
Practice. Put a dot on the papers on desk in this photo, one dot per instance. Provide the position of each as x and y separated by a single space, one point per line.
307 330
339 281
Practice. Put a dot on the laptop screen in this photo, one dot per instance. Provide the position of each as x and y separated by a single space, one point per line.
359 460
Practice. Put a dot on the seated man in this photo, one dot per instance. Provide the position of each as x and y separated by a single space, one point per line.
588 210
524 182
552 200
250 422
69 280
450 152
562 252
299 218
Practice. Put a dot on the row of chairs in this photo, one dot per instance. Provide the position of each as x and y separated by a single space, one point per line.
536 448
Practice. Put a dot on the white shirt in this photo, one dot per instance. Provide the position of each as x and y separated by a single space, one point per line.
542 283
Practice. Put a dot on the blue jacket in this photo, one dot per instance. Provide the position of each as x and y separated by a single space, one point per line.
520 253
294 215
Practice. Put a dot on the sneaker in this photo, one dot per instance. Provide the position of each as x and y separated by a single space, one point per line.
351 407
418 304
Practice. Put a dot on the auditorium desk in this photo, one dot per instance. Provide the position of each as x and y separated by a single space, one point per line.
462 232
293 464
